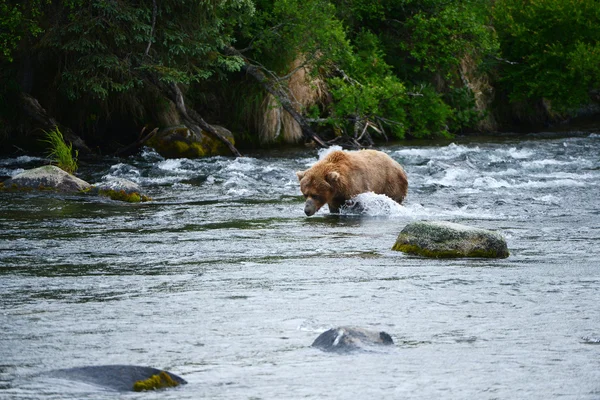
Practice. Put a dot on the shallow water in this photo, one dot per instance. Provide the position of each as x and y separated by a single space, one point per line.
222 280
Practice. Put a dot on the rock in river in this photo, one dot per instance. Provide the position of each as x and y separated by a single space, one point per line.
441 239
122 378
346 339
48 177
120 189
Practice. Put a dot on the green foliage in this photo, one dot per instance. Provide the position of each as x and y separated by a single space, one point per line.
284 30
367 90
421 45
110 47
440 36
428 114
18 21
553 45
464 112
60 152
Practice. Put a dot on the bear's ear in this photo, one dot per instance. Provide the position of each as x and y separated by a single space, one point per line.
300 174
332 177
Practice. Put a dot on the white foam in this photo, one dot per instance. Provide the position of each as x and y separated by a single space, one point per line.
324 152
451 177
551 184
151 155
124 171
20 160
373 205
543 163
487 182
378 205
243 164
548 199
515 153
441 153
172 165
11 172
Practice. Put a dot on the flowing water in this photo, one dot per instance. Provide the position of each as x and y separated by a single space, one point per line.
222 280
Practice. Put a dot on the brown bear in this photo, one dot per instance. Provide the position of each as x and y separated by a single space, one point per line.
341 175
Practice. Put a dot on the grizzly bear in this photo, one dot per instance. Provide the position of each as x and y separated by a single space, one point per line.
342 175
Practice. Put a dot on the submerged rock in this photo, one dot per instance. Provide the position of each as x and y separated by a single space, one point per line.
122 378
441 239
120 189
48 177
180 142
347 339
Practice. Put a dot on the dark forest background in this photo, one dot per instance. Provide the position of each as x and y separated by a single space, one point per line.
352 72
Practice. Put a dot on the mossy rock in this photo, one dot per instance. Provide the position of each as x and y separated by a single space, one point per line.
180 142
122 378
121 190
441 239
155 382
121 195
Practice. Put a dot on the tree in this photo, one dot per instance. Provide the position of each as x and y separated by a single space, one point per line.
553 47
426 45
109 54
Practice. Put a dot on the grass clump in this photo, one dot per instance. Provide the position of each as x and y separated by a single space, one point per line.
159 381
61 153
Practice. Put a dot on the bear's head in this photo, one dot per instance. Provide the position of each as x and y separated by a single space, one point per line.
318 187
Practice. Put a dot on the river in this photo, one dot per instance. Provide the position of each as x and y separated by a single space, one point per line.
223 280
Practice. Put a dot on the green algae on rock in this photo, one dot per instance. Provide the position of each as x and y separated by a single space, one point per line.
155 382
121 378
122 195
180 142
120 189
441 239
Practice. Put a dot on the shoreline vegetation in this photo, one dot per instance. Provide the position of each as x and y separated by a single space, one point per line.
208 78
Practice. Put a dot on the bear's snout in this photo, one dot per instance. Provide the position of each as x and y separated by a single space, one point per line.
310 207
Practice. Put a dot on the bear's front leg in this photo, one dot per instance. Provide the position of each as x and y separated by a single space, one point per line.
334 206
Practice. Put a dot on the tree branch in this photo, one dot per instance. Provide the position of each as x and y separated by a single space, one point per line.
280 95
35 111
190 118
133 147
154 11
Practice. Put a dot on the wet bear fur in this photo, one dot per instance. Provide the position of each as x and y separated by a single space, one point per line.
341 175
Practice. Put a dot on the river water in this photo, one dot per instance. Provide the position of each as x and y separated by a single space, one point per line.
223 280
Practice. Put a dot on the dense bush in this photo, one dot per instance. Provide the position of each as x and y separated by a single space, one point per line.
553 47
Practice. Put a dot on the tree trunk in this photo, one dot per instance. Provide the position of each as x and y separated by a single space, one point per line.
191 118
135 146
280 95
35 111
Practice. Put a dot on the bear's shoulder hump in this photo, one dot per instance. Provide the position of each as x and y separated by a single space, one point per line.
336 156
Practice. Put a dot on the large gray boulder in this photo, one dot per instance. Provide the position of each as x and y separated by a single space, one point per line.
48 177
441 239
344 339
